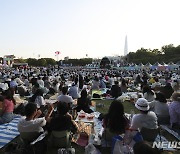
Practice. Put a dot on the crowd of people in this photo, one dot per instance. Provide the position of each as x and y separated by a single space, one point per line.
72 88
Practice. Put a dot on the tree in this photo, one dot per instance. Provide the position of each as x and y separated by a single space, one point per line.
167 48
156 52
50 61
166 54
32 62
78 62
42 62
104 62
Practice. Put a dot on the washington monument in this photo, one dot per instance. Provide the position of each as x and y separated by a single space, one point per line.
126 46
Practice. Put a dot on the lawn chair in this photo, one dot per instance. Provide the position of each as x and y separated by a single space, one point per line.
27 138
58 139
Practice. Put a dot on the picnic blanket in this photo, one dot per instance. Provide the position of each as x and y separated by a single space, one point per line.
100 92
175 134
9 131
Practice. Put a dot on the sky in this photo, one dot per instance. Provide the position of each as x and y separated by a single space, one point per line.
86 28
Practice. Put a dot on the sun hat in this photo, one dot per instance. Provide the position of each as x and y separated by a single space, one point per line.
142 104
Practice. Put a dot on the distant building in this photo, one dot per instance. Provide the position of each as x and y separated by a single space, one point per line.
8 60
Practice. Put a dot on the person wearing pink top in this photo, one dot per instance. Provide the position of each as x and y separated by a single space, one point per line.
8 104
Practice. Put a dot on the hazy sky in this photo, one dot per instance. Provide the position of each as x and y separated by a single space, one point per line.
29 28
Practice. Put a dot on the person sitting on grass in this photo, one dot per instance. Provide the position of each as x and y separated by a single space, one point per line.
83 103
62 120
145 118
116 90
31 122
174 111
31 126
64 97
148 93
8 104
160 107
115 122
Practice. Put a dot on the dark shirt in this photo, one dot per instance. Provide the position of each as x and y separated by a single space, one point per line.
116 91
61 123
83 104
116 126
167 91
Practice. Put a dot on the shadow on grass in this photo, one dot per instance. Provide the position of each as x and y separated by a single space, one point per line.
128 106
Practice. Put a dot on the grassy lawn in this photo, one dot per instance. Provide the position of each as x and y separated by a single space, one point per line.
104 109
127 106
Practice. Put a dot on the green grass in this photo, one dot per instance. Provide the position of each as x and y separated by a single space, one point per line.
127 108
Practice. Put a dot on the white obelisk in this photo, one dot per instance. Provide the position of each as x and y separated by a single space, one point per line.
126 46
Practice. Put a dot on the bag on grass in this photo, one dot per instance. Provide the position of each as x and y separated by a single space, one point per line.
96 96
124 145
91 149
83 139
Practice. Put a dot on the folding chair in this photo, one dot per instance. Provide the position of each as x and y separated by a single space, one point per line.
27 138
58 139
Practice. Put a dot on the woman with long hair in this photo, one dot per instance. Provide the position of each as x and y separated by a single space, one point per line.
83 103
115 119
114 122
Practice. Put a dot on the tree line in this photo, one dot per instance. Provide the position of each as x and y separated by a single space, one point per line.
168 53
52 62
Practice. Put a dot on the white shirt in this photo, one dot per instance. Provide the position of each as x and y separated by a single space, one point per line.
156 84
40 82
73 92
161 109
32 125
56 88
148 120
149 97
65 98
40 101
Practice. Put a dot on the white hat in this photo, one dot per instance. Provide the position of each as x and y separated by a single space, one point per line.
19 82
142 104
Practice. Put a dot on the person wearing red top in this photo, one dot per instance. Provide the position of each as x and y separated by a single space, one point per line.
8 104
